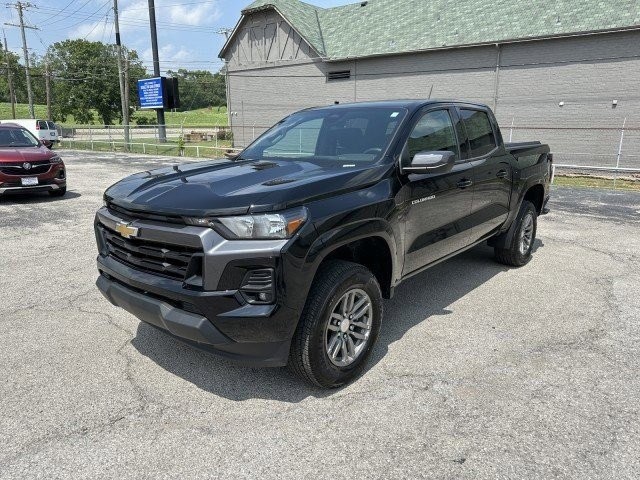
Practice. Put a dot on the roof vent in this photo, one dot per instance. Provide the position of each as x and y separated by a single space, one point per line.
364 4
339 75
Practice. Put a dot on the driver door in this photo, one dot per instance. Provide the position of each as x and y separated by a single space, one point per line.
437 215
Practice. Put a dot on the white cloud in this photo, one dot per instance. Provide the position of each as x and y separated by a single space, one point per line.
93 31
203 14
174 21
134 18
170 55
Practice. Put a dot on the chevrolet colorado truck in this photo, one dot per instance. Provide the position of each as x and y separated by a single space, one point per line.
283 256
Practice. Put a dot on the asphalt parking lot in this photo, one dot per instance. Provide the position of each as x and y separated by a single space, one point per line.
481 372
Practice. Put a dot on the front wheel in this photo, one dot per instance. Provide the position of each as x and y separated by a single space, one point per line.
519 251
339 326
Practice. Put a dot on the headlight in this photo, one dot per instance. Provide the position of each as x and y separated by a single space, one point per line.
55 159
255 227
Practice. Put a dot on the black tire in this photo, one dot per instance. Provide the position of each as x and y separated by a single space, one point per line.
58 193
518 254
308 357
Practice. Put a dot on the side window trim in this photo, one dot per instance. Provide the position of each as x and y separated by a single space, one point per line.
464 126
461 136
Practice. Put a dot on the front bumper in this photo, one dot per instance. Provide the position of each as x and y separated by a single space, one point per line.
49 187
54 179
209 313
191 328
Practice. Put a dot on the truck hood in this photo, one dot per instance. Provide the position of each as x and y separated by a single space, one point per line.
234 188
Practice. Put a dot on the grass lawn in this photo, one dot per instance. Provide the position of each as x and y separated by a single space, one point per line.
22 111
203 117
596 182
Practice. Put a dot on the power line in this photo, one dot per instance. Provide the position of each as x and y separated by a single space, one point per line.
59 12
72 13
133 22
97 24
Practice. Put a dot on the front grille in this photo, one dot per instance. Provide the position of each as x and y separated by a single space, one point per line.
37 168
132 215
172 261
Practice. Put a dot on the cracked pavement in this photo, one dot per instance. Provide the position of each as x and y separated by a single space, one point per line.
480 372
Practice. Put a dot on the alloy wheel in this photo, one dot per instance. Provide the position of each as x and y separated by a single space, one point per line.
349 328
526 234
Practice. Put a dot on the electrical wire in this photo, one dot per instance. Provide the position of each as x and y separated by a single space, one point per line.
59 12
72 13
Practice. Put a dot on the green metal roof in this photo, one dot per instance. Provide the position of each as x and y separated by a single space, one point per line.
385 27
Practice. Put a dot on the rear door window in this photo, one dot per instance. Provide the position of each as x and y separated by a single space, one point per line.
482 139
42 125
52 126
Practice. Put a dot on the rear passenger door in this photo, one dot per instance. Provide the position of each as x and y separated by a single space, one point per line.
492 171
439 204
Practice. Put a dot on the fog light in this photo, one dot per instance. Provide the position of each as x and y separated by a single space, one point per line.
258 287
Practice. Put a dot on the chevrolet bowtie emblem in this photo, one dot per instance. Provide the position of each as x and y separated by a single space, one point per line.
127 231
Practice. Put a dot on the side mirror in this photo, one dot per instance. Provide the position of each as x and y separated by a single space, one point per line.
431 162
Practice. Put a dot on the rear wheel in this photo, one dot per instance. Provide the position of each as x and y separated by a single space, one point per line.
519 251
58 193
339 325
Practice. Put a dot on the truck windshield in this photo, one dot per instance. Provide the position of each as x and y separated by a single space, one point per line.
17 137
352 135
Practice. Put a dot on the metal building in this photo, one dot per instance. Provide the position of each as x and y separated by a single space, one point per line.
563 71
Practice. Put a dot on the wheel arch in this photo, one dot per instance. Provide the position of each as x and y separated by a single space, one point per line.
370 244
535 195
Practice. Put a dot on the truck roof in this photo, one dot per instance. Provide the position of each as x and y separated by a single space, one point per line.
410 104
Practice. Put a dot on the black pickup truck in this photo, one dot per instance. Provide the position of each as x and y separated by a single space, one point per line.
284 256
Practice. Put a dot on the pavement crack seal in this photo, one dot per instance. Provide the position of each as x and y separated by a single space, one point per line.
126 414
143 398
67 301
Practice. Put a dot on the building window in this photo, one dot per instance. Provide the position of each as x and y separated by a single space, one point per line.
339 75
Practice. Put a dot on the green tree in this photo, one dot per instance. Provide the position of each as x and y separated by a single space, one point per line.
85 79
200 88
17 72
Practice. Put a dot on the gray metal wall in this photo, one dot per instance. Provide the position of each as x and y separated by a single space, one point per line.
586 73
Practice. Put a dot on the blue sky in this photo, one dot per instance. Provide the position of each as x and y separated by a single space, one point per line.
186 28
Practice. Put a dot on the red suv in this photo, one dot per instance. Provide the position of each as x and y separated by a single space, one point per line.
26 165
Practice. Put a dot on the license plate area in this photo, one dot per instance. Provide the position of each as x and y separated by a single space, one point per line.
29 181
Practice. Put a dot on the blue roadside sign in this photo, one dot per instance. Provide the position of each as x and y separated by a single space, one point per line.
151 93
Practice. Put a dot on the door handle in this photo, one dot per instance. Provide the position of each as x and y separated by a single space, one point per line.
464 184
502 174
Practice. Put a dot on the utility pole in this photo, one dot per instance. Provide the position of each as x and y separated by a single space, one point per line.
20 7
12 95
162 131
47 87
126 86
123 102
